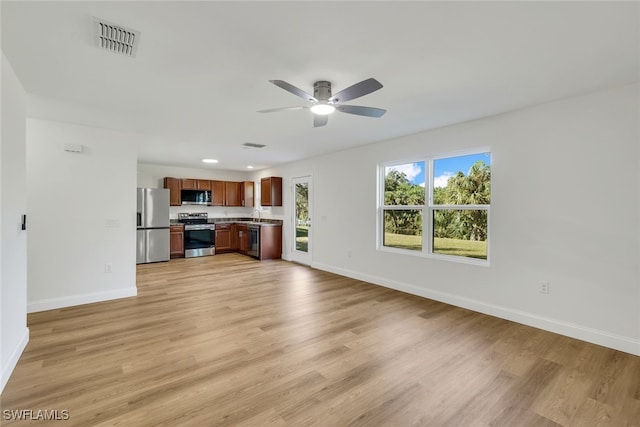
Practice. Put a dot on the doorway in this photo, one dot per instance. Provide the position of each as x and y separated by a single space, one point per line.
302 227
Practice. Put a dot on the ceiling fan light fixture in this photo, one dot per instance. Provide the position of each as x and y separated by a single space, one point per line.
323 102
322 109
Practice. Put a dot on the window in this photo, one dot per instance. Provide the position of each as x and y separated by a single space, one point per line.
403 205
437 206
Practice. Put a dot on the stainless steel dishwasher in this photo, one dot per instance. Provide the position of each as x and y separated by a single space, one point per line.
254 240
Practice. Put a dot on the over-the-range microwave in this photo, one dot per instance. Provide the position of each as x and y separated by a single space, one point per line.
195 197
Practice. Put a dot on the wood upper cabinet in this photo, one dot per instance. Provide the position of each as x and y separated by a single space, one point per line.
196 184
232 193
223 193
174 185
246 192
271 191
203 184
176 241
189 184
226 193
218 196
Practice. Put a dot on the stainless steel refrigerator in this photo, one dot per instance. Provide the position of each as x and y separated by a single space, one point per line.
153 225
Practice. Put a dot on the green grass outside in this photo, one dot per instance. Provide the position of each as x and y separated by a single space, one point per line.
457 247
302 238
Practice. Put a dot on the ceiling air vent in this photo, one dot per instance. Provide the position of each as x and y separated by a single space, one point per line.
252 145
115 38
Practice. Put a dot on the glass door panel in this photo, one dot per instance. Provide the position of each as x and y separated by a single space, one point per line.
302 220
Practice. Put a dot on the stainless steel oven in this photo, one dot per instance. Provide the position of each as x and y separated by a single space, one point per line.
254 240
199 236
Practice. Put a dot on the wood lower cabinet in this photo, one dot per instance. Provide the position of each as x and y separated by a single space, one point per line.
241 237
233 238
271 191
176 241
223 238
270 242
175 186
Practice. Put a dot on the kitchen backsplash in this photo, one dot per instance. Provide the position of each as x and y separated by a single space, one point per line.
227 212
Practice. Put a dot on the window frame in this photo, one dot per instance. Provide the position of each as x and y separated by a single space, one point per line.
428 209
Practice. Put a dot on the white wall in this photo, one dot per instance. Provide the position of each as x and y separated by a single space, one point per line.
70 196
14 333
565 208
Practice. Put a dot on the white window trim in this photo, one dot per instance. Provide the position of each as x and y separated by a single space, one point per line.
428 210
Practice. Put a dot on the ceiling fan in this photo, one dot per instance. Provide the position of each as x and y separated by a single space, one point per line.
323 103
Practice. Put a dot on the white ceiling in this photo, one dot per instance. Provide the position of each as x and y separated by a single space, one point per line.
203 68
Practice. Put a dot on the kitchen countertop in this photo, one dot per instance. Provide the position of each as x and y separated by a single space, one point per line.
261 223
248 221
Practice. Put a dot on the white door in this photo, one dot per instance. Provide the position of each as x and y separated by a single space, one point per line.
302 225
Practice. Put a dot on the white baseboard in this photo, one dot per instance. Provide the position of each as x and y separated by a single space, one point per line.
71 300
595 336
10 365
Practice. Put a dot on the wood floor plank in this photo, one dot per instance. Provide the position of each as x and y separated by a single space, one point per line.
231 341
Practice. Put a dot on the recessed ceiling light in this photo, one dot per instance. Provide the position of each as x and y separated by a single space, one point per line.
249 167
209 161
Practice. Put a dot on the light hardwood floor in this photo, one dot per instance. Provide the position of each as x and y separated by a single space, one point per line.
227 340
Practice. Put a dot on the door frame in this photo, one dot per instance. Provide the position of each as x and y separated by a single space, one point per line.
296 255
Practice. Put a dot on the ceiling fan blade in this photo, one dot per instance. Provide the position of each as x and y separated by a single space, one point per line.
273 110
319 120
361 111
363 88
294 90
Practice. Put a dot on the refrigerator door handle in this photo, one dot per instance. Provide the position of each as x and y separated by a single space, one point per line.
139 220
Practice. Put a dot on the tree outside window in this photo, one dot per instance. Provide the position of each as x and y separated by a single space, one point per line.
402 226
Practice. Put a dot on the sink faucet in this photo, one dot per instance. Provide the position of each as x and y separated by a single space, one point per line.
259 214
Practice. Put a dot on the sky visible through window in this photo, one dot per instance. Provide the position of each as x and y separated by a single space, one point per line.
443 168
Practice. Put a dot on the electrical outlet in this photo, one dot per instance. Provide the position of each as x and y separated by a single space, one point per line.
108 267
544 287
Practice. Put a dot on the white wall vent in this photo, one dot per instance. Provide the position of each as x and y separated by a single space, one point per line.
73 148
253 145
115 38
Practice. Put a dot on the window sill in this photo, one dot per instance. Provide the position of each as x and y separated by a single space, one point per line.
422 254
